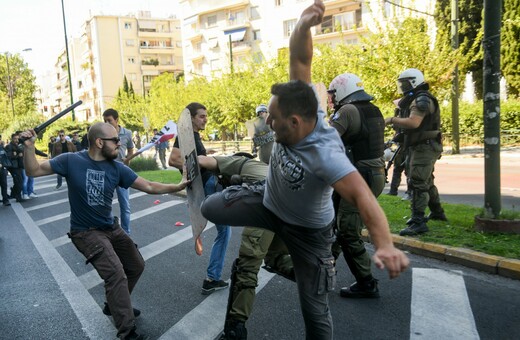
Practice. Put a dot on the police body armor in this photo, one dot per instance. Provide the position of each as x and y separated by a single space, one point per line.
368 143
430 125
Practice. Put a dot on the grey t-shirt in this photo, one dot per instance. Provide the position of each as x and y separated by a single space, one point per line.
126 142
298 188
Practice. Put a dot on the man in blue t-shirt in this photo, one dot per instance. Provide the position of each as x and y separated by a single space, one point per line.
308 160
92 176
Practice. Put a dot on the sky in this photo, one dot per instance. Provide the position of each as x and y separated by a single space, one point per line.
38 24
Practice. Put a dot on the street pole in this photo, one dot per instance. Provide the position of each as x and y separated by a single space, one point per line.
68 61
455 81
231 54
9 83
491 47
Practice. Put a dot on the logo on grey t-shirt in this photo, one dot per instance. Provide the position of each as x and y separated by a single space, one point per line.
95 184
290 168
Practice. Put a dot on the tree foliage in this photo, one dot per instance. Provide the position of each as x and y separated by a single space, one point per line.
231 99
24 86
510 46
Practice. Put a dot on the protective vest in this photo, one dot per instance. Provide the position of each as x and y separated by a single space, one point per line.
430 125
368 143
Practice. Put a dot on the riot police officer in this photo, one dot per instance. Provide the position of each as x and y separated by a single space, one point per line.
419 118
361 127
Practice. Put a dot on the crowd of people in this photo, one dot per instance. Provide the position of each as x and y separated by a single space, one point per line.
304 194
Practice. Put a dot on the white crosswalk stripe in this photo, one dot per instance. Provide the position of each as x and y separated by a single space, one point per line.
440 306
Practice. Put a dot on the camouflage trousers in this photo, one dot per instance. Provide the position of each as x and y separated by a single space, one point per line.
421 165
256 246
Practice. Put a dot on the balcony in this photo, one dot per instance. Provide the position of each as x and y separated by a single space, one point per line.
154 34
156 49
240 47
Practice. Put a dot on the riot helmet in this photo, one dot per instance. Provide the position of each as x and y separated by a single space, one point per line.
409 80
343 86
261 108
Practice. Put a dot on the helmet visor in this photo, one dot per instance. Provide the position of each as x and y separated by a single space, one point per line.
404 86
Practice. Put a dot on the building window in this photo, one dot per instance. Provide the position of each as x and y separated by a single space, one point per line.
130 42
345 21
255 14
132 76
128 25
237 18
288 27
131 60
212 21
257 35
215 64
278 2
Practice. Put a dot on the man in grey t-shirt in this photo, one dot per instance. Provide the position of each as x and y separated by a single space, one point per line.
126 149
307 161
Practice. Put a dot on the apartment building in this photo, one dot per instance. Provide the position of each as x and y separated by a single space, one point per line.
224 35
108 49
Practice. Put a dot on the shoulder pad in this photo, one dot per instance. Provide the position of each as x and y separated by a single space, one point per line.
423 103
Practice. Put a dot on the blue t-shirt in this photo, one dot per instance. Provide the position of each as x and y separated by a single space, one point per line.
298 186
91 188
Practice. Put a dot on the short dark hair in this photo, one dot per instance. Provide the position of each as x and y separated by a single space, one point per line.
194 107
296 97
111 112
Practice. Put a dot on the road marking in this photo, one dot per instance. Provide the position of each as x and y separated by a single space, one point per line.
66 200
60 241
440 306
211 313
94 323
134 216
92 279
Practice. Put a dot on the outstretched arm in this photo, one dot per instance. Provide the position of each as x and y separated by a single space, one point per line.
354 189
160 188
300 45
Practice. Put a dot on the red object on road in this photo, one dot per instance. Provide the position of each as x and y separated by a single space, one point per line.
179 224
156 202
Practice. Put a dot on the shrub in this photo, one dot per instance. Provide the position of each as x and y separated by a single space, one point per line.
143 164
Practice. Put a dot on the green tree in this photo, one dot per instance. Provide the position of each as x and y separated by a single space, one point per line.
510 46
23 88
470 36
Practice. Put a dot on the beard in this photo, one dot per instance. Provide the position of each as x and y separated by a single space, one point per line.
109 155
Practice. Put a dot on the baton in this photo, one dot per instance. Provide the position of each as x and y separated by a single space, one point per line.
43 125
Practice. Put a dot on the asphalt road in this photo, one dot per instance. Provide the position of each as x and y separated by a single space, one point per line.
461 178
47 291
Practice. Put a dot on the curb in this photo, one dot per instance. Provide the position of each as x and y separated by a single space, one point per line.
491 264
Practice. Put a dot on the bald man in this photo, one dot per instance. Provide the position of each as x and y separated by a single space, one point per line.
92 176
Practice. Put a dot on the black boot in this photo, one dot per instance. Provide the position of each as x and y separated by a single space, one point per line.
361 289
234 330
437 216
416 225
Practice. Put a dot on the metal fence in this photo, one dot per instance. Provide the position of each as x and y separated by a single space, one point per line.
507 138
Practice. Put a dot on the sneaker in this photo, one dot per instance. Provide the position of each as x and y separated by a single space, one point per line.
392 193
414 229
20 200
361 290
58 187
209 286
33 195
7 203
438 216
234 330
25 197
106 311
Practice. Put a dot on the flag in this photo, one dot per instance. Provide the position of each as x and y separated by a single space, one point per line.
167 132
